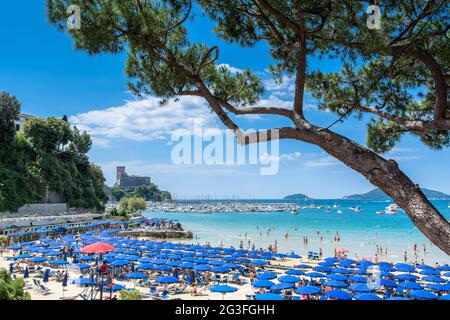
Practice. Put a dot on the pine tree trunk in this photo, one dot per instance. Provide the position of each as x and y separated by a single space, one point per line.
386 175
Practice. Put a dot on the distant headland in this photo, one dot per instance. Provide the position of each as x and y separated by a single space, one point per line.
297 196
374 195
377 194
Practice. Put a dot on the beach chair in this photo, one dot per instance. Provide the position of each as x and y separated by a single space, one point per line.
29 285
236 279
44 289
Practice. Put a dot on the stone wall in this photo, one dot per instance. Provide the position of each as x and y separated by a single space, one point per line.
41 209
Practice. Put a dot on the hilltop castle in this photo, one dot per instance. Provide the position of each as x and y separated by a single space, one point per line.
126 182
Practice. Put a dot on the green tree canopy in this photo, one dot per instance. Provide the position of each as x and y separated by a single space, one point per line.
9 112
12 289
49 153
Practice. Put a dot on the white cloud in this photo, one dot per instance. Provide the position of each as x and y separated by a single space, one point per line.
266 158
400 153
231 68
291 156
321 162
144 120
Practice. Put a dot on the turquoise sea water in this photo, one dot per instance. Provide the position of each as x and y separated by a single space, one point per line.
359 232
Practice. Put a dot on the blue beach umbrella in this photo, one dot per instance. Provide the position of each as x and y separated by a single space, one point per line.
434 279
341 270
46 275
444 268
406 277
145 260
367 296
37 259
22 256
81 266
308 290
262 284
282 286
187 265
423 295
64 282
430 272
387 274
145 266
162 268
388 283
410 285
167 279
322 269
446 297
11 267
439 287
135 275
119 263
268 296
223 289
339 295
386 267
331 259
423 266
220 269
83 281
398 298
315 275
259 262
114 288
335 284
302 266
294 272
26 273
202 267
358 279
404 267
86 258
288 279
266 276
58 262
231 265
337 277
364 264
360 287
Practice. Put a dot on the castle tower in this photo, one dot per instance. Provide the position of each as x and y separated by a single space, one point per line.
120 174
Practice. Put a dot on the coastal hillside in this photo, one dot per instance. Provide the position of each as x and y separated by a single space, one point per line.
45 157
377 194
297 196
148 192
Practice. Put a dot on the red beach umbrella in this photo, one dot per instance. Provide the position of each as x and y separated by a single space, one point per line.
343 250
98 247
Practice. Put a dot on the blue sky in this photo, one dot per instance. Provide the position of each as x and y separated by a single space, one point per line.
40 67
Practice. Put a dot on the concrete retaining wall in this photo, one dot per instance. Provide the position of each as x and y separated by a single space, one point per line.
38 209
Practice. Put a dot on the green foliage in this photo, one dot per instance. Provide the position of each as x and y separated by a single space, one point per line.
130 295
3 240
49 153
49 135
163 61
9 112
12 289
149 193
132 203
382 136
